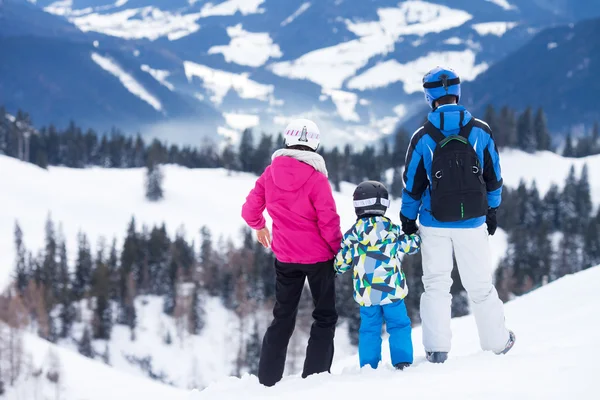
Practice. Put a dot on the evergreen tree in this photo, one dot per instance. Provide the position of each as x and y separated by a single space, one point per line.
83 268
262 155
197 313
568 204
102 322
50 266
526 133
333 167
158 247
569 151
154 183
401 143
397 184
552 212
85 344
228 157
507 127
492 119
21 270
253 347
542 134
246 150
583 201
67 309
568 259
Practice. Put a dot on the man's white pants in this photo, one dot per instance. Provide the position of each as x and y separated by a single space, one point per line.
472 251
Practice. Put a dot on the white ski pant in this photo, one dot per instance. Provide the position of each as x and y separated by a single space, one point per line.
472 251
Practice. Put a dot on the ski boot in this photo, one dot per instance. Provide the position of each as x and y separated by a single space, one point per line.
437 357
509 345
402 365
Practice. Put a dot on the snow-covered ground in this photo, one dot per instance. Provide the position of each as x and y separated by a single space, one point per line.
101 202
555 357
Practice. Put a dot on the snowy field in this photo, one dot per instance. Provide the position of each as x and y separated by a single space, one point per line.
554 357
101 202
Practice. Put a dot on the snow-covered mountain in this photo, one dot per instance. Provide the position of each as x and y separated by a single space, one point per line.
353 65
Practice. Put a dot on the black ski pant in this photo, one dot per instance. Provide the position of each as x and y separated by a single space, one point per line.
319 353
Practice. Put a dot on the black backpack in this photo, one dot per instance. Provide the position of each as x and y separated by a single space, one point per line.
458 190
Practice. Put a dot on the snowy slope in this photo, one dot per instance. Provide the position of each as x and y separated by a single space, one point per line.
83 379
101 202
555 357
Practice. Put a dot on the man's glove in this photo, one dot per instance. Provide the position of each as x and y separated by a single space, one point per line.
490 220
409 226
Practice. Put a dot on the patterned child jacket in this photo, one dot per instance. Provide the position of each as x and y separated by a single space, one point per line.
372 247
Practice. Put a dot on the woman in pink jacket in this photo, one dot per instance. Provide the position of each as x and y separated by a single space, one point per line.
306 237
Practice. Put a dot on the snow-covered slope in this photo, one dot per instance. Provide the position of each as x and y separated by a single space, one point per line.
555 357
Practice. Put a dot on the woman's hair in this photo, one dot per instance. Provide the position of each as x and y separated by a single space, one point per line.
300 147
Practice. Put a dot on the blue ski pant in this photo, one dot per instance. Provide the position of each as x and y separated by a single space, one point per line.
369 335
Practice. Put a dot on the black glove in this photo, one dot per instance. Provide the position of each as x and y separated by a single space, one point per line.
409 226
490 220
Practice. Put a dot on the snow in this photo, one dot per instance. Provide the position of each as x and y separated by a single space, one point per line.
160 75
330 67
411 73
504 4
553 358
127 80
453 41
247 48
220 82
493 28
241 121
231 7
345 102
139 23
301 10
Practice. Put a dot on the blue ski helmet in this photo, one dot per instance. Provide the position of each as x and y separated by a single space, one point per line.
440 82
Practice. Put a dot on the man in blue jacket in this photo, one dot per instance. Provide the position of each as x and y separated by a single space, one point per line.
453 184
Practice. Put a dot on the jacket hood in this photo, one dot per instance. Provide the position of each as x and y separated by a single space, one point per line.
290 174
450 118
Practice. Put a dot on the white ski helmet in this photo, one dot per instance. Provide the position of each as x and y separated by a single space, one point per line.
303 132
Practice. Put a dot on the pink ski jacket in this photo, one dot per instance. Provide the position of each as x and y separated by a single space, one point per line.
306 225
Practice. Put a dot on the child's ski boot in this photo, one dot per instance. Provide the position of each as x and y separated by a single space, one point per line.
402 365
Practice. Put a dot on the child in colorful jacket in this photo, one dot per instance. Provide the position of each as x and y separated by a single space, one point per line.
372 247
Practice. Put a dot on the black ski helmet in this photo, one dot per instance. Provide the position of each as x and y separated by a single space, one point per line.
371 198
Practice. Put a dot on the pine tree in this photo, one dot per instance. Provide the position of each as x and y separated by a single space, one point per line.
507 127
552 212
228 157
583 201
154 183
102 321
197 313
67 310
568 259
333 167
246 150
542 134
526 132
253 347
83 268
397 184
85 344
492 120
569 151
50 266
262 156
568 204
21 270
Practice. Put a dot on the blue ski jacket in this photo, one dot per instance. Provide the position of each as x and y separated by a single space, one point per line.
416 197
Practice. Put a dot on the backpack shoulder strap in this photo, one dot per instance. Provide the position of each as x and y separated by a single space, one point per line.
465 131
434 132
